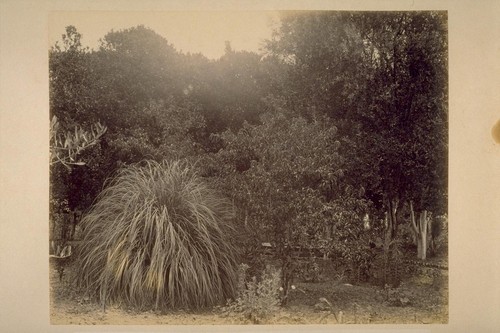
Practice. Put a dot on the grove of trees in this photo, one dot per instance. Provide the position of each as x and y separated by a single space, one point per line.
332 139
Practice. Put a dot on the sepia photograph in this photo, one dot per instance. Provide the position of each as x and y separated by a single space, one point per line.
249 166
272 167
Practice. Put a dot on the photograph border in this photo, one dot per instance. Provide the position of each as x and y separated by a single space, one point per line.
474 179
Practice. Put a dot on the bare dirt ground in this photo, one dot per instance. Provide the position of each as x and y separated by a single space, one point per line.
421 299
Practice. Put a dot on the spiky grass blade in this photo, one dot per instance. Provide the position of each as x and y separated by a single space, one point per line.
158 237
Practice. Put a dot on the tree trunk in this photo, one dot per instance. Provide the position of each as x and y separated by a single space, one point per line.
432 238
420 231
423 234
287 272
391 224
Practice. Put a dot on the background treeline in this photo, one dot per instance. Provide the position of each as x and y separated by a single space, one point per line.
333 139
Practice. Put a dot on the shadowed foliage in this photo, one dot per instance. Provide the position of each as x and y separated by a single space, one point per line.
157 236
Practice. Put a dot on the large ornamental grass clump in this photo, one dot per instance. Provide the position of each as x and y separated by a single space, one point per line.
157 237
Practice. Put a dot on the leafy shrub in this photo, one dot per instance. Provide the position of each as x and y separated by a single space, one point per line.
158 237
438 244
259 299
310 271
58 210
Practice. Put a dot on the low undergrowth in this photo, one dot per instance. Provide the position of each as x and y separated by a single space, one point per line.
417 300
258 299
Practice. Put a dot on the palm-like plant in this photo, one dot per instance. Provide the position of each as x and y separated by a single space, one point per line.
157 236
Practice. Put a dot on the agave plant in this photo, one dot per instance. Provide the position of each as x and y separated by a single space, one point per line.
157 236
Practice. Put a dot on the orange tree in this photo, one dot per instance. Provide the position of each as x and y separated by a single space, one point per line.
285 176
382 79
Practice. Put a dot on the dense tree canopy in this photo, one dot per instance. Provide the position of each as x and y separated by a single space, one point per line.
382 78
343 117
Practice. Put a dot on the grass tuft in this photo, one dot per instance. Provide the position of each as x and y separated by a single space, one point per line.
157 237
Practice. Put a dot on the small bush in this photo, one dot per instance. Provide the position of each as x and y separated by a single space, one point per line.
158 237
310 271
258 300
